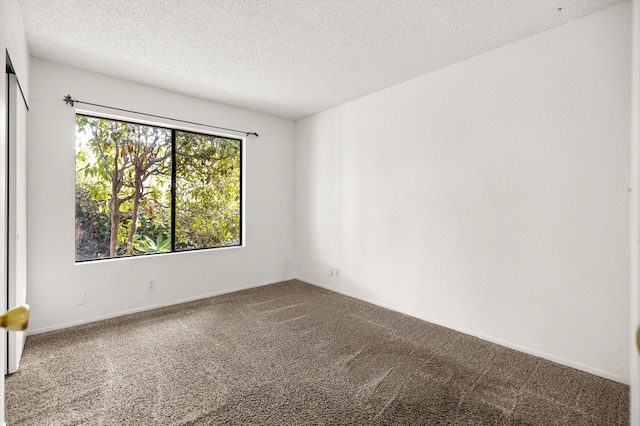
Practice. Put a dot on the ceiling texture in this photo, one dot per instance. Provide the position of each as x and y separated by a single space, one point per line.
290 58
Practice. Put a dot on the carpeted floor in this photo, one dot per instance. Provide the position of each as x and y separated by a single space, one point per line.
293 354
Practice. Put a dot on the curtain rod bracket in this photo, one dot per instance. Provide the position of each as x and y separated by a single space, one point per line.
68 100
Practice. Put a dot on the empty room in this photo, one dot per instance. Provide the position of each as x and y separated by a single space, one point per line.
314 212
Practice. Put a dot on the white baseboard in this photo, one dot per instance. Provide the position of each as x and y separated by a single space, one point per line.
524 349
530 351
145 308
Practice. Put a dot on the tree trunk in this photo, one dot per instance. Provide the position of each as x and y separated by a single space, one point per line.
114 206
115 224
137 196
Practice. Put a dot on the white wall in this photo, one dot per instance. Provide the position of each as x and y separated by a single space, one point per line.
634 353
13 38
13 41
117 286
490 196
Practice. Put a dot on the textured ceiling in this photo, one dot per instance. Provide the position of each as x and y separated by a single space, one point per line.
290 58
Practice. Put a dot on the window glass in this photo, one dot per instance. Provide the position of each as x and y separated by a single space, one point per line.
207 191
124 177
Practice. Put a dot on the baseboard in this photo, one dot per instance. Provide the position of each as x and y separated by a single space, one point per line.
510 345
524 349
146 308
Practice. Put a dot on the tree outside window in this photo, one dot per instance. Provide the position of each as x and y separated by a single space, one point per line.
125 205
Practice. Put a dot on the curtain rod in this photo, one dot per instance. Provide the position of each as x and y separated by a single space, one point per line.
70 101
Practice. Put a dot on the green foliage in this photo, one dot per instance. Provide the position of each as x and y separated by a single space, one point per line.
123 189
92 227
207 191
160 245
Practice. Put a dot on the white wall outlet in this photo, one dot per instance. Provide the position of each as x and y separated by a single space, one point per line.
151 285
337 272
331 271
82 299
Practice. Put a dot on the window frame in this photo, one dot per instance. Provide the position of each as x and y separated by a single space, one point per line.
172 129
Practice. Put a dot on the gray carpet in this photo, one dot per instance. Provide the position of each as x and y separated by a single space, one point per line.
293 354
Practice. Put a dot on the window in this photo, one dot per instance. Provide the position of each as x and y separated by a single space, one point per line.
143 189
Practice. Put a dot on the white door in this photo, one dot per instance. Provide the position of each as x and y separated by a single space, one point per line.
3 233
17 215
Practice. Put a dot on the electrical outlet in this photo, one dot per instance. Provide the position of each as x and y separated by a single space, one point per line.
337 273
152 285
331 271
82 299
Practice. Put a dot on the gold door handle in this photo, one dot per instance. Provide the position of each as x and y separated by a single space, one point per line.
17 319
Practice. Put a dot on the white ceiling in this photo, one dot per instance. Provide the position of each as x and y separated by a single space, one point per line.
290 58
